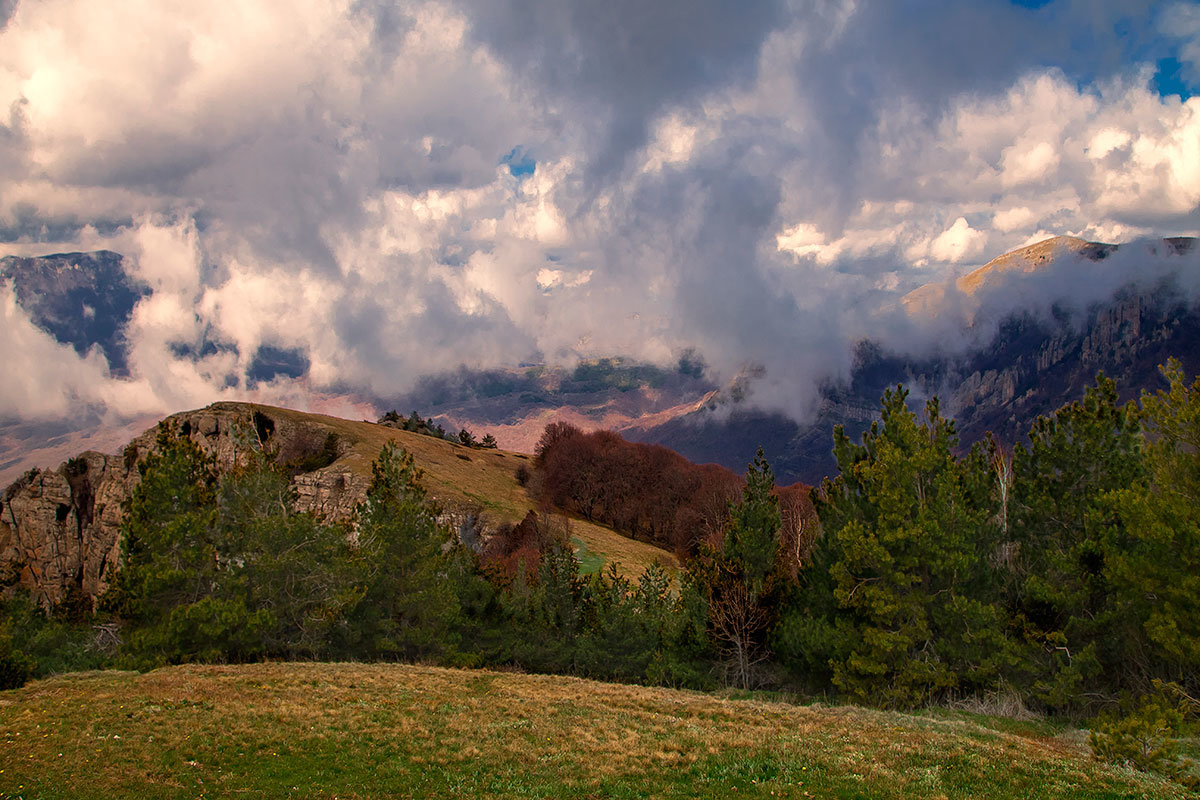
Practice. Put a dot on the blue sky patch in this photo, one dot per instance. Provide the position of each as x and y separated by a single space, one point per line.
270 362
1169 79
520 162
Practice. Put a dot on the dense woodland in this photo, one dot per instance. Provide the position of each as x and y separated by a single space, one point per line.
1061 576
649 492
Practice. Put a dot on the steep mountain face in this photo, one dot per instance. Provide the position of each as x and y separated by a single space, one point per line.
1033 364
59 528
81 299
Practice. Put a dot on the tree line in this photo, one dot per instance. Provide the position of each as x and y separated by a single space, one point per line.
427 427
647 491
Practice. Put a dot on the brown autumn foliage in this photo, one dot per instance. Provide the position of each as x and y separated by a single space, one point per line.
652 493
511 546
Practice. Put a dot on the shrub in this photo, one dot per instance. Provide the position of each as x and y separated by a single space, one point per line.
34 643
15 666
1144 733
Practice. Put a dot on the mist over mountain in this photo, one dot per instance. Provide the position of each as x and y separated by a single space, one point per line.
450 186
1022 335
999 345
515 405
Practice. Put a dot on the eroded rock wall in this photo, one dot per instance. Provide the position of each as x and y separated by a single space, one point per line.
60 528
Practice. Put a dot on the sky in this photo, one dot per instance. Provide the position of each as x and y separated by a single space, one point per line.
362 193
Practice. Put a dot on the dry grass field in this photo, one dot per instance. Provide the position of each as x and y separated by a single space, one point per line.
366 731
485 479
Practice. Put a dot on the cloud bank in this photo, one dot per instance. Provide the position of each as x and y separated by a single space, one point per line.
368 192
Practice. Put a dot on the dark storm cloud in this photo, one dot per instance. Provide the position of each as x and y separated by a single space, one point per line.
616 65
7 9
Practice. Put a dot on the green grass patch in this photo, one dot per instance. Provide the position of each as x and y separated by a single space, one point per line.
358 731
589 563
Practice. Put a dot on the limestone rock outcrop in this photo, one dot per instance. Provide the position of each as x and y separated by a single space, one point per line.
60 528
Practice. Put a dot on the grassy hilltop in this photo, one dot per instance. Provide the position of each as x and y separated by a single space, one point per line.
481 478
359 731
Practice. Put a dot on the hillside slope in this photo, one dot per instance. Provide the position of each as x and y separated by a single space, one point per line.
59 528
355 731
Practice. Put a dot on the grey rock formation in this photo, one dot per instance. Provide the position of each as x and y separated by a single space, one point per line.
60 528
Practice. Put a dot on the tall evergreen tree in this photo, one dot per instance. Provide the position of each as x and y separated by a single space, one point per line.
1154 549
174 568
740 578
627 626
549 610
289 566
891 607
408 605
1062 600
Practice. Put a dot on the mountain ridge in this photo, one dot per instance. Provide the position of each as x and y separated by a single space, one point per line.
1029 366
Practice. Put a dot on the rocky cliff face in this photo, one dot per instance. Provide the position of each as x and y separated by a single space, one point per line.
59 529
1032 365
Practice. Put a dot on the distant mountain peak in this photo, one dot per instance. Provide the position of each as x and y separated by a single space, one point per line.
929 300
1030 259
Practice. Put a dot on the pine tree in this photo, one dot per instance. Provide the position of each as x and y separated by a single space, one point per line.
547 609
740 580
886 596
408 606
173 566
626 629
1075 634
287 565
1154 550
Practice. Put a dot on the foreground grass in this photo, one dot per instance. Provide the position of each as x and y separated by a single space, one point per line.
359 731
